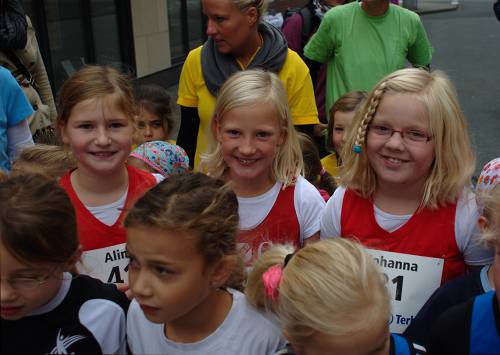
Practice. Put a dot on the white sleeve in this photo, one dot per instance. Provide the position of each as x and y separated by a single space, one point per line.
308 205
330 221
159 177
106 321
467 233
18 137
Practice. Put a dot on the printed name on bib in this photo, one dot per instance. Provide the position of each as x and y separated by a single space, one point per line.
411 280
106 264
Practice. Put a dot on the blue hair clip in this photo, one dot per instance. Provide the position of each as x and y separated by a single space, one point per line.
356 149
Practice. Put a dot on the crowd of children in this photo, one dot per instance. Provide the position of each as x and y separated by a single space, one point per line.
110 244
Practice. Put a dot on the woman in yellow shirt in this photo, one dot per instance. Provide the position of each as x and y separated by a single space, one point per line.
238 40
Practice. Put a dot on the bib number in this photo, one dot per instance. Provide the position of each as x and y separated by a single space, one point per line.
106 264
411 280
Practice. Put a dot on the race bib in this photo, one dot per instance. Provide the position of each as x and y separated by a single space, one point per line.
106 264
411 280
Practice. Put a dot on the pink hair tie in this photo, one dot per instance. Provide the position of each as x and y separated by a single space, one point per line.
271 279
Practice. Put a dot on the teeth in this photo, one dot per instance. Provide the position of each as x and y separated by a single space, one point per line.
245 161
394 160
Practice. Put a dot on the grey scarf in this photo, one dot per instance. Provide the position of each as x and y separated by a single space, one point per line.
217 67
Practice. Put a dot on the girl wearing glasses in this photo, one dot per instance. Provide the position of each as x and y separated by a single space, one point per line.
44 309
405 188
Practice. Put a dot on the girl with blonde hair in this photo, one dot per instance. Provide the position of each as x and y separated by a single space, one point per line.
256 149
330 298
405 182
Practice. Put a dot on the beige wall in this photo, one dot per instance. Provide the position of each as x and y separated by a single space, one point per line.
151 36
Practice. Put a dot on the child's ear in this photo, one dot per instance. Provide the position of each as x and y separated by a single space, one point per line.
222 270
216 128
75 258
61 127
483 223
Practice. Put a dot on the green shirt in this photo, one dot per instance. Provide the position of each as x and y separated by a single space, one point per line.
362 49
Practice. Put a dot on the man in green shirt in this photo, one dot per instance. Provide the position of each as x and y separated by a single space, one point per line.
362 42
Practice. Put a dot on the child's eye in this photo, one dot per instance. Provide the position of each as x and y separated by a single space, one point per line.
232 132
263 134
339 129
163 271
85 126
116 125
219 19
156 124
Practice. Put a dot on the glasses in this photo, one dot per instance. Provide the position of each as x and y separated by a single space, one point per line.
28 283
408 136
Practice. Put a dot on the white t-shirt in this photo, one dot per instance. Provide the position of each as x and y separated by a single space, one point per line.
467 232
245 331
308 205
108 214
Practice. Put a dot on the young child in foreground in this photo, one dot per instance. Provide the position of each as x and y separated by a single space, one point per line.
330 298
184 268
44 308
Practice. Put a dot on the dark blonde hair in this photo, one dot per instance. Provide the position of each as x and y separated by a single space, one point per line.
198 204
348 102
332 286
37 220
454 161
260 5
94 81
51 161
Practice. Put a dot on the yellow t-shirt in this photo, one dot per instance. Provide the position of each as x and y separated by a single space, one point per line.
194 93
330 164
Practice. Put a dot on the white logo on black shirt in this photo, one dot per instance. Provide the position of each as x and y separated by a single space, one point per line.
62 343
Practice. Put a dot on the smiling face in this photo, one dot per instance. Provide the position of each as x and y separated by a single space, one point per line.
168 275
99 135
341 124
250 137
17 302
398 164
228 26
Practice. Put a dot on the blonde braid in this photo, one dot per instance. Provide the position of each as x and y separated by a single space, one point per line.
368 117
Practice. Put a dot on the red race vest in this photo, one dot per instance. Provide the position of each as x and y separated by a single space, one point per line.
280 226
427 233
93 233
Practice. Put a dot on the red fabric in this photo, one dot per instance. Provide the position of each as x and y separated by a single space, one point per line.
427 233
281 226
93 233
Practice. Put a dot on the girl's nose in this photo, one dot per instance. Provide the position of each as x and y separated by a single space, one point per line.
140 284
148 132
8 293
246 147
395 141
102 137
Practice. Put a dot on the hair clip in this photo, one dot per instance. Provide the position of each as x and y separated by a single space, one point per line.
271 280
357 149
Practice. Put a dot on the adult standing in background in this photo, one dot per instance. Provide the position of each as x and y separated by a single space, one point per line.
238 41
19 52
364 41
